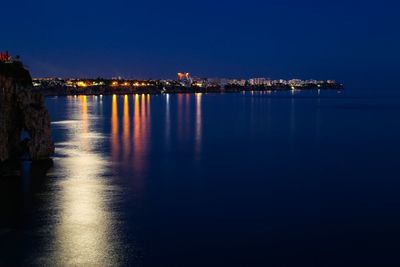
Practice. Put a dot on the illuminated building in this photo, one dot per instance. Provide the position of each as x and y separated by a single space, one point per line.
295 82
258 81
185 79
182 76
237 82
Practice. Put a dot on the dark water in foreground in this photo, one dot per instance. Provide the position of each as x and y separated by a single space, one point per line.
210 180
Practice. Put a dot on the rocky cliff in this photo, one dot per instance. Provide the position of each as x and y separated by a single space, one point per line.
22 111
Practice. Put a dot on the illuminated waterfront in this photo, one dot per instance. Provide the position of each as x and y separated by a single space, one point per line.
184 84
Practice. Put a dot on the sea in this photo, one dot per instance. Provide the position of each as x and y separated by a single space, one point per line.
295 178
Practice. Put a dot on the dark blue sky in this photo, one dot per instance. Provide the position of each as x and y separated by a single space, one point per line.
351 41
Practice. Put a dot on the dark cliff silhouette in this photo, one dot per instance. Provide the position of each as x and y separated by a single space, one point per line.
21 110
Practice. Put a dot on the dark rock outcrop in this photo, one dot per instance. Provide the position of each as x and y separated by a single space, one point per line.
22 110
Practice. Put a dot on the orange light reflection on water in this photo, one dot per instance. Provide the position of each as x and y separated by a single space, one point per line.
141 140
114 128
126 128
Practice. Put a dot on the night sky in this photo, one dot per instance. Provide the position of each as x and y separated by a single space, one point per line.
355 42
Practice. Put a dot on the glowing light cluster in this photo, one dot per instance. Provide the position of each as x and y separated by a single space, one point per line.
81 84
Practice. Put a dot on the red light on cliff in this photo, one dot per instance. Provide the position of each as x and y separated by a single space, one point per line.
4 56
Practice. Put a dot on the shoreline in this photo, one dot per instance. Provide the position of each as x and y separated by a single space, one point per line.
65 91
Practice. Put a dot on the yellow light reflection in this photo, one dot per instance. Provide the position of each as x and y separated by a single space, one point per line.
114 129
143 106
85 122
136 125
85 231
126 128
82 233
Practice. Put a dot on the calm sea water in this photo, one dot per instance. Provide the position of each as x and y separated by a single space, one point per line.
254 179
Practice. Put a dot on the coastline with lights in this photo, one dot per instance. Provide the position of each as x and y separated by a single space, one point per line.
183 84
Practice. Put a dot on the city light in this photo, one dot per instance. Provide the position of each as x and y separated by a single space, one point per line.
184 83
81 84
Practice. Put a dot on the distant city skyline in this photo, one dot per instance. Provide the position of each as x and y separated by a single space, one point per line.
353 42
6 57
184 83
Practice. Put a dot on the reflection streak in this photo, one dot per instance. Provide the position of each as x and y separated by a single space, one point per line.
114 129
126 128
141 135
180 118
167 121
199 130
84 227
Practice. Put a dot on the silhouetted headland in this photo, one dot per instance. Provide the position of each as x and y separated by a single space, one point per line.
22 113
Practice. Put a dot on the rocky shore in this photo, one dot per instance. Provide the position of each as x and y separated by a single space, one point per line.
22 111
